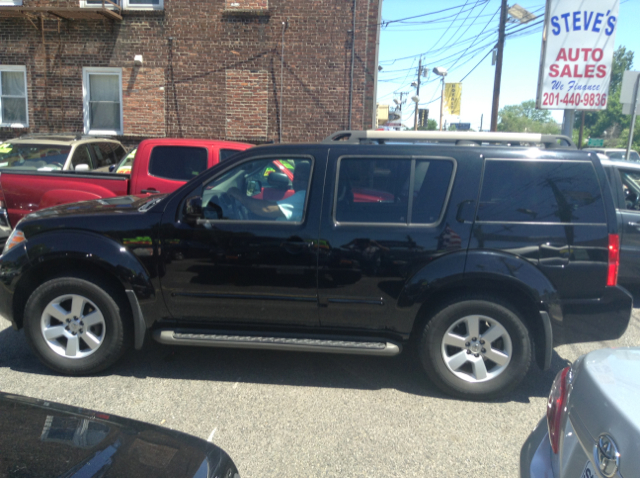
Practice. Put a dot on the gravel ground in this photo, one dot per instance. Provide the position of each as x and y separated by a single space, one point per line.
296 415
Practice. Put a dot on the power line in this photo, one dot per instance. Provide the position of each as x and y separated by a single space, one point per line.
388 22
477 37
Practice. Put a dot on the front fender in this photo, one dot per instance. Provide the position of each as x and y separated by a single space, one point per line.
95 249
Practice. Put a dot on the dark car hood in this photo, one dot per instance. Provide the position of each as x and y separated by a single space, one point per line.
121 204
45 439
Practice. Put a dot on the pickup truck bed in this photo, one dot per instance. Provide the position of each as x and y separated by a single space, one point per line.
161 165
31 190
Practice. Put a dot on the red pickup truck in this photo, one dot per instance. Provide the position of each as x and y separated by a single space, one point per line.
160 166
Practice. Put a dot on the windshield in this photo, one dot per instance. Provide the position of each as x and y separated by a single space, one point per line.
41 157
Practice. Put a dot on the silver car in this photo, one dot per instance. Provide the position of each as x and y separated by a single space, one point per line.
592 428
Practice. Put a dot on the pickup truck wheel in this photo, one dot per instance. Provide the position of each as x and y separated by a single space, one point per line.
475 349
75 326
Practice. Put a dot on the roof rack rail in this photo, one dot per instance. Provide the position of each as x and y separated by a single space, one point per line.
467 138
61 136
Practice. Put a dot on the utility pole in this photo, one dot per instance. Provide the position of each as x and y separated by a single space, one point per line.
442 104
415 117
399 104
496 81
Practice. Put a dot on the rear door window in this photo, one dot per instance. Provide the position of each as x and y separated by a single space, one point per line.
541 192
392 191
226 154
177 162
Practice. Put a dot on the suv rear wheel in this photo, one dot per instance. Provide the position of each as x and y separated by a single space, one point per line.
475 349
75 326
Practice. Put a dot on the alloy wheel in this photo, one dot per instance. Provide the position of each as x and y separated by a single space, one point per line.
476 348
73 326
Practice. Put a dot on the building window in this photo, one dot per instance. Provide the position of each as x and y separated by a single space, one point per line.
13 96
126 4
11 2
102 96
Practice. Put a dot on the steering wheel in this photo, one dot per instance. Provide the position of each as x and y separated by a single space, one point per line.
231 208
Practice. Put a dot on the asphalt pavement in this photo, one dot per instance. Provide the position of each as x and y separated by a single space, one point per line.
283 414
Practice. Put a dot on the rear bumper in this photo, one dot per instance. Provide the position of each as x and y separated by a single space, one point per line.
536 454
599 319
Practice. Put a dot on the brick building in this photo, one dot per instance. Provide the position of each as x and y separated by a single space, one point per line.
250 70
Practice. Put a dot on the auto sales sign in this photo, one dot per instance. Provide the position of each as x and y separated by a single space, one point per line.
577 52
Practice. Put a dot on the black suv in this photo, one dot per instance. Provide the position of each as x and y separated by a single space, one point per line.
481 250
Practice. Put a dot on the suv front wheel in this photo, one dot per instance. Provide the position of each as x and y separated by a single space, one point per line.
475 349
75 326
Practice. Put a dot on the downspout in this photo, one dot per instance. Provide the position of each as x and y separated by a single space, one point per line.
284 27
366 66
374 116
353 52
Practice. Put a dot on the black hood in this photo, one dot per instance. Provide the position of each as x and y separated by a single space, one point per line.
120 204
45 439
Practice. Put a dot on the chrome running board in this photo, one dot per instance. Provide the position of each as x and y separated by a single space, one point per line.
370 348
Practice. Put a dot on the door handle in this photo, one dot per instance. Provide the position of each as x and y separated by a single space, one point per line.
297 245
634 224
150 191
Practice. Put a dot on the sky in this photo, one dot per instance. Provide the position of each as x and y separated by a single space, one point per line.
460 38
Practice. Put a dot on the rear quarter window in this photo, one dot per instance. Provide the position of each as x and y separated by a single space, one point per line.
541 192
177 162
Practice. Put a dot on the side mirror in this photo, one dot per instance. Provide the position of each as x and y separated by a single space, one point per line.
193 210
254 187
82 167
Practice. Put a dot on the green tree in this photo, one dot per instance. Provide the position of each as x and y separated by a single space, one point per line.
611 124
526 118
431 125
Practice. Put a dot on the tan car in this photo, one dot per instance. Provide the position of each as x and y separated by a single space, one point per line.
616 154
60 152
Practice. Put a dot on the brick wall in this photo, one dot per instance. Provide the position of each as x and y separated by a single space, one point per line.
247 105
143 101
191 51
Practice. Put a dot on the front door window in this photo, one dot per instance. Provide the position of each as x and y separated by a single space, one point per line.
260 190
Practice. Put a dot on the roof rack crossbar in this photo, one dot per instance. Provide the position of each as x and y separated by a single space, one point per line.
65 136
459 137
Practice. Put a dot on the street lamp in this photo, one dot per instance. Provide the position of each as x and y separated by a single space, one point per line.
441 72
416 100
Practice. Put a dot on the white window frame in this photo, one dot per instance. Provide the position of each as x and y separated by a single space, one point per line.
124 4
86 109
23 69
13 3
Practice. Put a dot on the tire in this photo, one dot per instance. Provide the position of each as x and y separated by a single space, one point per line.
456 353
77 327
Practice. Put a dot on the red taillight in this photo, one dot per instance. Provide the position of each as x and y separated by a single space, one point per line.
614 260
556 407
